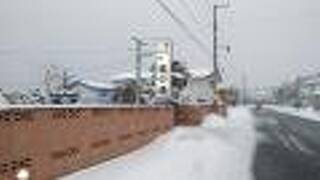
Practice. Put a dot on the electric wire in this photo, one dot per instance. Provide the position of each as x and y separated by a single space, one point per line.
184 27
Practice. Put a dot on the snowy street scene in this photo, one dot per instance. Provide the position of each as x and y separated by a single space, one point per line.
159 90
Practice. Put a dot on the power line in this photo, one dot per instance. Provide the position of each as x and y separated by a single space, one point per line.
180 42
192 14
196 18
189 10
207 11
192 36
203 7
183 26
208 4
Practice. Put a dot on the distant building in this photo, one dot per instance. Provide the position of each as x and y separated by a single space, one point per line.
60 86
302 92
315 100
310 91
17 97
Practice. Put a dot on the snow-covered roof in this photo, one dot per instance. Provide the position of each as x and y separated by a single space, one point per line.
178 75
199 73
128 76
98 85
122 76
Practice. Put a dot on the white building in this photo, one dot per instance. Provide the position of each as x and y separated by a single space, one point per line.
162 69
3 100
310 91
199 89
303 91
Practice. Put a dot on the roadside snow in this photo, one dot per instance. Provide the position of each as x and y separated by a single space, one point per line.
304 113
219 149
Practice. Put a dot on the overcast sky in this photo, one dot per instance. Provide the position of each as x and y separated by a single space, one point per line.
272 40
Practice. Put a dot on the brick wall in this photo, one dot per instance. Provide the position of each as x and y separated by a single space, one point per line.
190 115
51 142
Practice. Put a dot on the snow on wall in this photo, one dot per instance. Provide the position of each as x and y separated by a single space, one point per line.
220 149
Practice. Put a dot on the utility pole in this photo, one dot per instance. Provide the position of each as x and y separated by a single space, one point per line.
244 88
138 51
215 44
216 71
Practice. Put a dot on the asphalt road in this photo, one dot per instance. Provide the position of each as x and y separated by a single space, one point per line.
288 147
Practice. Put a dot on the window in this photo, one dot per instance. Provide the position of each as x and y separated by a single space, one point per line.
163 68
159 58
163 79
166 47
163 90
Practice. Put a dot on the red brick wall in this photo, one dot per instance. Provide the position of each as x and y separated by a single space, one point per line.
190 115
51 142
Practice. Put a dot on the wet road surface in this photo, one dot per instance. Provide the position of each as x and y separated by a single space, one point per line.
288 147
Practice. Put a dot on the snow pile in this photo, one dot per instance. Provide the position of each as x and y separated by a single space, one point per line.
215 150
305 113
213 121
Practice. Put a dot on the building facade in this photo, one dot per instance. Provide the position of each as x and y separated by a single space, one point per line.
162 69
198 90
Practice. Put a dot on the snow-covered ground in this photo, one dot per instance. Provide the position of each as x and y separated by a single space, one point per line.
305 113
219 149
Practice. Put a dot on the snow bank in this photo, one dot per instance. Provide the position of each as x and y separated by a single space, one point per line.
305 113
213 121
219 149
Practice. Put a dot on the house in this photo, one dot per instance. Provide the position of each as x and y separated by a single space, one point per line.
3 100
302 92
199 88
92 92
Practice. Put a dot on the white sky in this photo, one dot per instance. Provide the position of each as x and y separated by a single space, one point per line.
272 39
